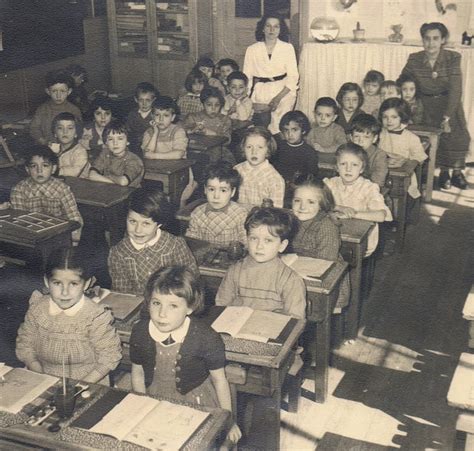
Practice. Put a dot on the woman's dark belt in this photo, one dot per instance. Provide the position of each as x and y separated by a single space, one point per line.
265 80
441 94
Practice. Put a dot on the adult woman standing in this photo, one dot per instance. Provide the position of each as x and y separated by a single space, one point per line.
270 64
438 73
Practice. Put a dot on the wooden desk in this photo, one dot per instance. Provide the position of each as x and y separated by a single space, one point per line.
433 135
321 300
174 174
21 436
354 236
43 241
204 149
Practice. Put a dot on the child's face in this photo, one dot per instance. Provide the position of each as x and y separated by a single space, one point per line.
65 132
325 116
218 193
66 287
256 149
389 92
212 106
168 311
225 71
117 143
408 91
207 71
40 170
58 93
350 101
350 168
141 229
391 119
144 101
237 89
197 86
263 246
293 133
363 139
102 117
306 202
372 88
163 118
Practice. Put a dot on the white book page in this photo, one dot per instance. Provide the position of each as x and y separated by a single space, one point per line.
231 320
167 427
125 416
307 267
262 326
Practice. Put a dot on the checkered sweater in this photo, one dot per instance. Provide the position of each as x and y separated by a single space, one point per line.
130 268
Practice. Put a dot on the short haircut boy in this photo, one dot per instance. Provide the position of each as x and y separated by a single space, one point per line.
153 205
228 62
237 75
391 84
55 77
399 105
101 102
280 222
208 92
366 123
167 103
296 116
353 149
116 126
192 77
42 151
327 102
374 76
144 88
224 172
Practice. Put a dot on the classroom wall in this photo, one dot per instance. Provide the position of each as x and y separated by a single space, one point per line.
376 16
21 91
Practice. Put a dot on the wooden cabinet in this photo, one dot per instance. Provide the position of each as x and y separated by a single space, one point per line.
157 41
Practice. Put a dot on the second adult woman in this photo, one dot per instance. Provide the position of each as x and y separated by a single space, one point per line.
270 64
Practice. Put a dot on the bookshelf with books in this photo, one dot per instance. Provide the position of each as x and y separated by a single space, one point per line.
157 41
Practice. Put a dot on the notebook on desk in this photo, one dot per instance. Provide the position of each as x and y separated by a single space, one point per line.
123 305
311 269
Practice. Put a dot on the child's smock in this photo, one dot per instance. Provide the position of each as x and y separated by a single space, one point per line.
82 336
362 195
172 139
74 162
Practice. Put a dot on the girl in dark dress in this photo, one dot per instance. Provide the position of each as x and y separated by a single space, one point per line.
438 74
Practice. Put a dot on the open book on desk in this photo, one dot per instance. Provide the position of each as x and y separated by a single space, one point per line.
249 324
123 305
313 269
144 421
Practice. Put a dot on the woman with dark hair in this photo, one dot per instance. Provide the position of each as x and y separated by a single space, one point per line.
271 67
438 74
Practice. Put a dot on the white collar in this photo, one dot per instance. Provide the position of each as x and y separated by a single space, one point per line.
150 243
177 334
55 310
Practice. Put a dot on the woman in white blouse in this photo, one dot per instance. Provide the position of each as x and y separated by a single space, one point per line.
270 64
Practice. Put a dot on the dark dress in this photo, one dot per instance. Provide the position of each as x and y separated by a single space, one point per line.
440 91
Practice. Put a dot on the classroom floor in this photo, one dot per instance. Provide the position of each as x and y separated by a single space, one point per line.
388 389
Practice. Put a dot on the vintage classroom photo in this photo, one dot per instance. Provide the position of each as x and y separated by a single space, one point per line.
237 225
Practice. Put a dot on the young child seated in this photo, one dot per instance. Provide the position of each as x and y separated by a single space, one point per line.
58 87
365 132
101 109
326 135
224 68
147 247
399 143
78 96
318 235
211 122
43 193
66 327
350 98
116 164
166 139
372 82
206 66
238 105
138 120
408 86
354 195
389 89
261 280
73 158
175 354
189 101
220 220
294 155
259 179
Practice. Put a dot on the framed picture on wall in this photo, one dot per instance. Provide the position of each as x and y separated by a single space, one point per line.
248 8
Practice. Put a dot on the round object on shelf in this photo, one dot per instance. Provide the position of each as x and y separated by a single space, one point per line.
324 29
